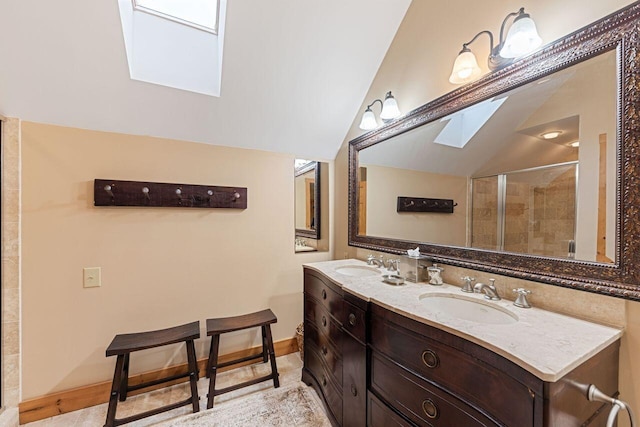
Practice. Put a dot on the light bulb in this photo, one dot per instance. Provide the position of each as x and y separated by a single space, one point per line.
522 38
368 120
390 108
465 68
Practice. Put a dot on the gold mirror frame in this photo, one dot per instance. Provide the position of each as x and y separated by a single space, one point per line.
619 31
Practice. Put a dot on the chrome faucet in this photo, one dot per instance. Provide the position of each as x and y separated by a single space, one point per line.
489 291
372 260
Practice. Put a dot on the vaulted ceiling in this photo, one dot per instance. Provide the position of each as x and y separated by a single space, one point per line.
294 74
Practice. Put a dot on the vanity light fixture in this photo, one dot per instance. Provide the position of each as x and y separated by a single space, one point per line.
552 134
389 111
521 39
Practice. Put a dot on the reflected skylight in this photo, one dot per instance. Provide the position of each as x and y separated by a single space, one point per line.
464 124
201 14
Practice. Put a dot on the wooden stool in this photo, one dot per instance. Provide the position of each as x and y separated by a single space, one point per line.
123 345
215 327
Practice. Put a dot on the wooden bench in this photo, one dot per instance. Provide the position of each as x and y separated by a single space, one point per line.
125 344
216 327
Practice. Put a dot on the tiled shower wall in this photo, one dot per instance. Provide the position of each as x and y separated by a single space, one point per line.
10 384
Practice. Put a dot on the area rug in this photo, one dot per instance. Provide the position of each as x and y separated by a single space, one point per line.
287 406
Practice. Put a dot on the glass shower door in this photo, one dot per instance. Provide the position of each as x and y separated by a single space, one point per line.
531 211
540 211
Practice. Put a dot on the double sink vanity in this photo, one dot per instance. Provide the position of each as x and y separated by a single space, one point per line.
418 354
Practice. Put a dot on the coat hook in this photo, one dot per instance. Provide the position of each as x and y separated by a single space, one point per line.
145 191
409 203
108 188
179 194
235 196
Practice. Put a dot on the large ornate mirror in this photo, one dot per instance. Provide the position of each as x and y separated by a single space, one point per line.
531 171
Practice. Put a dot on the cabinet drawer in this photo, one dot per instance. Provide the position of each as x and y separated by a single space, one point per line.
476 381
354 321
332 393
329 295
380 415
326 325
318 343
421 402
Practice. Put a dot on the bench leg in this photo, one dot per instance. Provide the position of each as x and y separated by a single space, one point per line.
124 383
265 345
213 368
115 389
193 375
272 356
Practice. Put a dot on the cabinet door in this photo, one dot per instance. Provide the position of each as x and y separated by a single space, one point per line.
354 383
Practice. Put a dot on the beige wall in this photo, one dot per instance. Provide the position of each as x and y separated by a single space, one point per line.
11 257
416 68
160 266
385 184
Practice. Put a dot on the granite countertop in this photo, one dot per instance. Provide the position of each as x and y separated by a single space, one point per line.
547 344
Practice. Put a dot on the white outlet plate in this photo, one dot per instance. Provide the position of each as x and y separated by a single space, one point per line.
91 277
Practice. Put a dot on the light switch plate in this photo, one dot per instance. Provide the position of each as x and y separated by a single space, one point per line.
91 276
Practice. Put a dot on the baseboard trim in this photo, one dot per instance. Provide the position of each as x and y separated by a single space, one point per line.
83 397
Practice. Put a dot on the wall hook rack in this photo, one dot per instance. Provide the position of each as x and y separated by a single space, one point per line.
110 192
421 204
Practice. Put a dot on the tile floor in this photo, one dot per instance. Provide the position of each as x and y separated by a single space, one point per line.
289 368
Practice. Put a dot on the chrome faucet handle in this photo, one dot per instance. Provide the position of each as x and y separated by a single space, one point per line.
372 260
393 264
466 287
521 299
492 286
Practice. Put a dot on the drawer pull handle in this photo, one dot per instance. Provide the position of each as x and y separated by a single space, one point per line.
430 409
430 358
324 350
324 381
354 390
324 321
352 319
324 294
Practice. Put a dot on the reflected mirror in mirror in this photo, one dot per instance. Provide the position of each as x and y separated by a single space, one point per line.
308 201
531 171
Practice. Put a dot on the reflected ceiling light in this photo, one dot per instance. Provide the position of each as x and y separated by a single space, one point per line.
389 111
551 135
575 144
521 39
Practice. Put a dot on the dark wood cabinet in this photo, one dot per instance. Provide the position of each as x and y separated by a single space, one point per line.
374 367
335 354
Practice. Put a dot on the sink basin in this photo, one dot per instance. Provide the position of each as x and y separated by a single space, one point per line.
358 270
459 307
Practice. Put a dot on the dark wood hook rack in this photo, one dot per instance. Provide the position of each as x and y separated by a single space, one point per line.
421 204
111 192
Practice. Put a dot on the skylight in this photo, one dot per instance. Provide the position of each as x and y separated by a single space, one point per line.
201 14
175 50
463 125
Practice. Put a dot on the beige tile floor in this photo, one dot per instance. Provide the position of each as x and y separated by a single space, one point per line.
289 368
